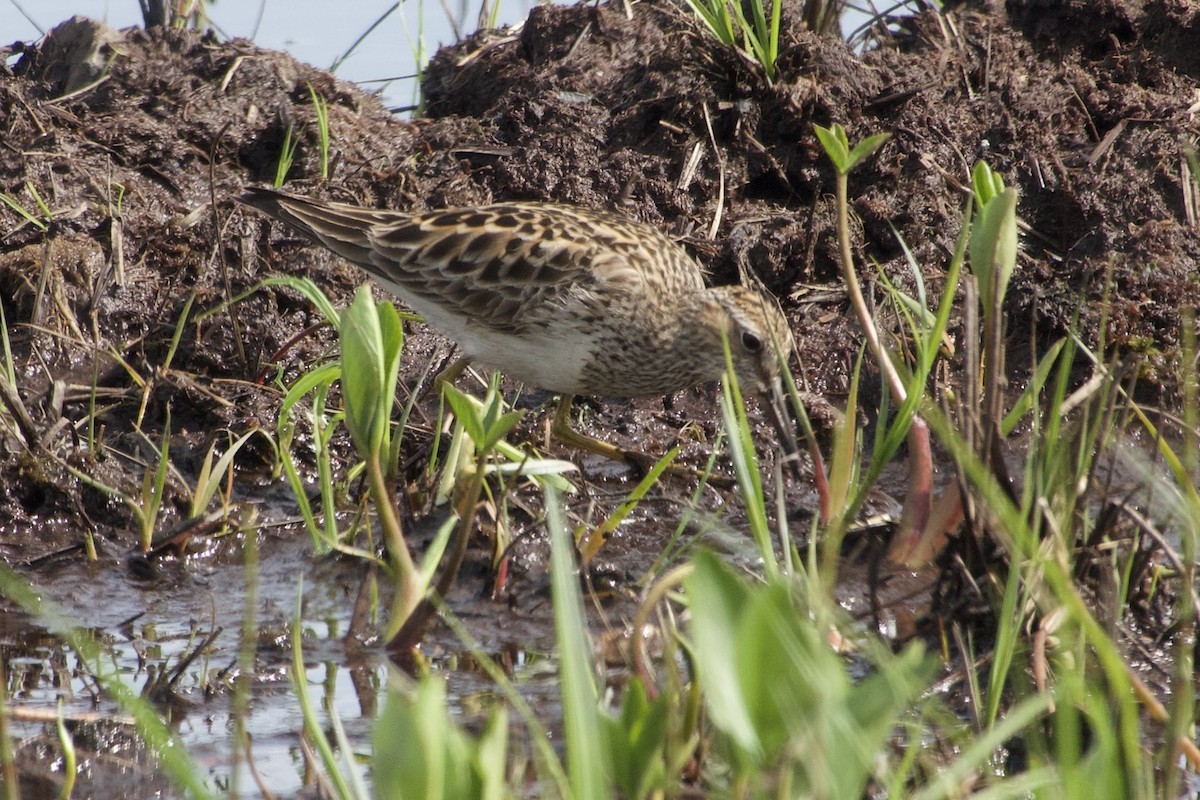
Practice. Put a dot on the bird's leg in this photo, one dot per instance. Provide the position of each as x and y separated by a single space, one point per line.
642 462
563 431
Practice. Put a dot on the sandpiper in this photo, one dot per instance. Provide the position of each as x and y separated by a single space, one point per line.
562 298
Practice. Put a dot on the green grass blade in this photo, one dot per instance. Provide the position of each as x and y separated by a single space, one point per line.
312 724
589 775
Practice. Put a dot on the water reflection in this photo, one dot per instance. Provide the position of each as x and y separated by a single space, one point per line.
175 639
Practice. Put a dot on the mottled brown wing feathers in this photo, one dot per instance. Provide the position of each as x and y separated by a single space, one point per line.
506 266
499 245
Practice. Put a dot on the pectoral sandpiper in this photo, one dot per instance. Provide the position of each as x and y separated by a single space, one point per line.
562 298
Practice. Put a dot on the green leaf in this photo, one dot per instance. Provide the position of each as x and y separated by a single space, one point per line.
780 695
486 422
789 678
872 710
392 330
716 598
209 479
985 182
466 410
716 18
837 147
491 757
413 740
833 139
324 375
636 742
1033 388
362 371
993 247
864 149
372 338
421 754
587 765
20 209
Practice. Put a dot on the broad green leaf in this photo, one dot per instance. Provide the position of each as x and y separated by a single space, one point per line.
466 410
716 598
833 139
372 339
864 149
362 371
837 147
985 182
994 247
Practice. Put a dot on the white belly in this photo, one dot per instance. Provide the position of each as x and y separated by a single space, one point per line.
554 361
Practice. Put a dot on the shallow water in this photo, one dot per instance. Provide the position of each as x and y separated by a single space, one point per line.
146 627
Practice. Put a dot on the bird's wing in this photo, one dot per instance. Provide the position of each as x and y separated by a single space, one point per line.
507 266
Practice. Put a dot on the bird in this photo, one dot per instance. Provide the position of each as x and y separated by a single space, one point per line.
567 299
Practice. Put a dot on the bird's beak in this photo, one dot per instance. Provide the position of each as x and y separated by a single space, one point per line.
775 401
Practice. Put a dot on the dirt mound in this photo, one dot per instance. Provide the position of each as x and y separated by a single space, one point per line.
129 137
1085 111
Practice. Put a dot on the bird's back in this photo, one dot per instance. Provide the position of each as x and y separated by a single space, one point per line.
506 266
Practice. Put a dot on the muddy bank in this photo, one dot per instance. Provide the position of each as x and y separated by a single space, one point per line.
644 112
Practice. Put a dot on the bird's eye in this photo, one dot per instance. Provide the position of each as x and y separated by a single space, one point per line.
750 342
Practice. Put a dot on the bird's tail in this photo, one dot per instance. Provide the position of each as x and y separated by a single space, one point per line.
342 228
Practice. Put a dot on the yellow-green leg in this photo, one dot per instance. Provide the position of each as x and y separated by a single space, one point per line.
562 430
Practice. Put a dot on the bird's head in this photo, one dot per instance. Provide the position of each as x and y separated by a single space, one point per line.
759 341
